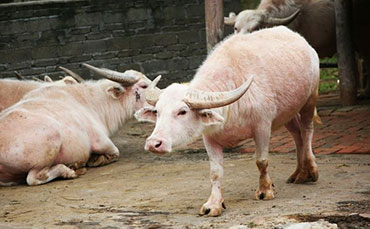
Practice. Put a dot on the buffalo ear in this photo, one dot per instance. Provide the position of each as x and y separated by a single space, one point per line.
48 79
146 114
231 19
69 80
210 117
115 91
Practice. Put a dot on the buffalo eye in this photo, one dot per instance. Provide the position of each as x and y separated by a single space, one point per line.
182 112
155 112
206 114
236 29
144 86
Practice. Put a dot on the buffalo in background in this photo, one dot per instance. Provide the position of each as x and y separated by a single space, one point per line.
314 20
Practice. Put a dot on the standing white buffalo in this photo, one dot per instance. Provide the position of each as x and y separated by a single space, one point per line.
282 73
52 131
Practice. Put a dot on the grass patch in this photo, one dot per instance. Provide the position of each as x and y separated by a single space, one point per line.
327 87
328 77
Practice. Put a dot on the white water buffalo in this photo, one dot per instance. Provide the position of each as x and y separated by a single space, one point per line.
282 73
54 128
12 90
313 19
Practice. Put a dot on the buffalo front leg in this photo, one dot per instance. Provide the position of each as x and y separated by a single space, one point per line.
262 139
37 176
104 152
213 207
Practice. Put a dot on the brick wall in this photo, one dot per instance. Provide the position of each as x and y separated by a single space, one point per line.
156 37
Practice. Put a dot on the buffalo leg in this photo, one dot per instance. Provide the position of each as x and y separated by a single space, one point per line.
8 183
7 178
79 167
306 168
309 170
103 153
37 177
262 140
213 207
293 127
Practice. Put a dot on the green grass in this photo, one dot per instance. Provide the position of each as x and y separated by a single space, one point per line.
325 88
328 77
251 225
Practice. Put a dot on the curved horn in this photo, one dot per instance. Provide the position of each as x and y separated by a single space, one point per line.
197 99
152 93
126 78
19 76
69 80
231 19
37 79
281 21
77 77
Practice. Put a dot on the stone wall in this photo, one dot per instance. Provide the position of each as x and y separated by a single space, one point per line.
156 37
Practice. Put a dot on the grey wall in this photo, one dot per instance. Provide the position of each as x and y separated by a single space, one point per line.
155 37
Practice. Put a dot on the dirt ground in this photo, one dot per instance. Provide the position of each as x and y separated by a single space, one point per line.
143 190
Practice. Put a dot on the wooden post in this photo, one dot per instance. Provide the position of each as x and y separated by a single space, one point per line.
214 11
346 57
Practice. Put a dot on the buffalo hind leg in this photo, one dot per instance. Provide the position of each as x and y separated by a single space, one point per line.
7 178
8 183
105 152
262 139
306 170
294 128
37 177
79 167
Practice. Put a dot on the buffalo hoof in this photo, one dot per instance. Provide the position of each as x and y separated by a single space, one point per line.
301 176
264 194
77 165
96 160
81 171
211 209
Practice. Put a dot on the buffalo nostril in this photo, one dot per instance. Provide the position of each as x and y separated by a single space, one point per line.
159 143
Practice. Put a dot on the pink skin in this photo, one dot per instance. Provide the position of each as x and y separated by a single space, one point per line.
284 89
11 90
54 130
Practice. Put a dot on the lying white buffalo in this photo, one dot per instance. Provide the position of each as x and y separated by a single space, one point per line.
282 73
12 90
54 128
